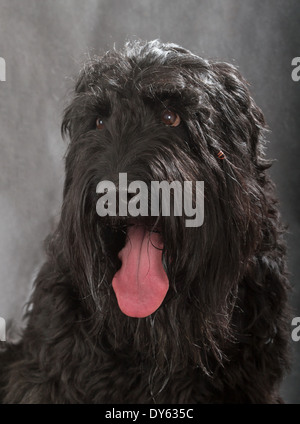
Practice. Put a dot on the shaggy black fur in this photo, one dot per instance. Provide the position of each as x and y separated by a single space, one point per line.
220 335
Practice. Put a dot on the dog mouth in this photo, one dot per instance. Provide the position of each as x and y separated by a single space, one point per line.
141 283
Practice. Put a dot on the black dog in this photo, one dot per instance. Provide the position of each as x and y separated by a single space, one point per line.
146 309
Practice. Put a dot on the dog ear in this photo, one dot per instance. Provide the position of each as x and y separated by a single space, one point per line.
73 110
242 120
66 122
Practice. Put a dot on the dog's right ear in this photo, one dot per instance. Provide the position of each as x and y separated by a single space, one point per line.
66 130
72 111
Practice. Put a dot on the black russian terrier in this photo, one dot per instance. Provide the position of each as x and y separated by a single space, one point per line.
147 309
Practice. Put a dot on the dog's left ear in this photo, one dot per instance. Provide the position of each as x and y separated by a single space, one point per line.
242 120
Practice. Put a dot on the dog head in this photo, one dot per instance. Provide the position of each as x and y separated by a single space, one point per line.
157 112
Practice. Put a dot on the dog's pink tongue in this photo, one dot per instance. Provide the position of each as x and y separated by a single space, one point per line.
141 283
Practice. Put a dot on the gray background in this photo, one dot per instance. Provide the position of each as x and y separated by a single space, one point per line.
44 43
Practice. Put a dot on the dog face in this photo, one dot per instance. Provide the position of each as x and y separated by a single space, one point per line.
157 112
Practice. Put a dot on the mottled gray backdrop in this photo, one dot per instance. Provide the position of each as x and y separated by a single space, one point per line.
44 43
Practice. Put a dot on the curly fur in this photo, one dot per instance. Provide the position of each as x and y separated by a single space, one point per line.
221 334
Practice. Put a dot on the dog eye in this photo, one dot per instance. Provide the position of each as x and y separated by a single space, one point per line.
170 118
100 124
